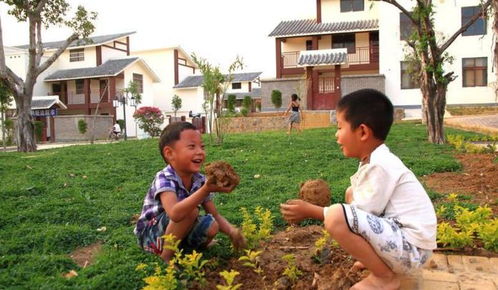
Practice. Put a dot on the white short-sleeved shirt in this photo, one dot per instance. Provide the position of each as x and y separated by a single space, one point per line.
386 187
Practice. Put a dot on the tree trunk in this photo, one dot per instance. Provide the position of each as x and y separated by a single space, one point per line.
25 129
495 29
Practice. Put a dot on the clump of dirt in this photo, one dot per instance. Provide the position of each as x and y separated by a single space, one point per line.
315 191
222 174
335 272
85 256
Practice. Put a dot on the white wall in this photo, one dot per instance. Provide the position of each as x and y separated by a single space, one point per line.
63 62
448 20
331 11
192 100
108 53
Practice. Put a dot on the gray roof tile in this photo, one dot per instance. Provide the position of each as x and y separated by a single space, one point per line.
46 103
196 81
323 57
111 67
311 27
94 40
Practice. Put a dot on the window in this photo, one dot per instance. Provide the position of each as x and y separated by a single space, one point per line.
138 79
236 86
80 85
406 27
409 78
479 27
344 41
475 72
77 55
352 5
309 45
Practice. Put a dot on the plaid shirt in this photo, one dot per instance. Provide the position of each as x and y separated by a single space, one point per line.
166 180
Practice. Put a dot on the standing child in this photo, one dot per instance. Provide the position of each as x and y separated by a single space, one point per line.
296 115
171 205
388 223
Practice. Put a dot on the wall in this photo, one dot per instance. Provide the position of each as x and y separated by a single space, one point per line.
331 11
63 62
447 21
66 127
353 83
287 87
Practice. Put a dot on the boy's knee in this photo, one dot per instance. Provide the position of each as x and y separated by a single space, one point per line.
213 229
335 220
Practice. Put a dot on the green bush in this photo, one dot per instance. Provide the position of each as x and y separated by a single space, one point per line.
38 130
231 103
258 106
247 102
244 112
276 98
121 124
82 126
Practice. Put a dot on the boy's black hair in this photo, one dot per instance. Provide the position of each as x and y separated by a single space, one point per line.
369 107
171 134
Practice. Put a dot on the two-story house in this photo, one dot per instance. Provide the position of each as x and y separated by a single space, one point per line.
91 74
354 44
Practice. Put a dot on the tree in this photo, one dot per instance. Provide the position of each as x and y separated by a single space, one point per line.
231 103
430 53
176 103
276 98
495 31
149 119
215 84
39 14
247 103
5 100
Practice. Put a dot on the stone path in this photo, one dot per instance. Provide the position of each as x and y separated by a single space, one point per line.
487 124
455 272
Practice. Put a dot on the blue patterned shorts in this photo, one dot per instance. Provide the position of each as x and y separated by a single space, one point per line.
151 238
387 239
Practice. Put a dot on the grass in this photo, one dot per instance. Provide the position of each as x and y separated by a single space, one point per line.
54 201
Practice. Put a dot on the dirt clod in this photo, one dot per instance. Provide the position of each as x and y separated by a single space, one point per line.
222 174
316 192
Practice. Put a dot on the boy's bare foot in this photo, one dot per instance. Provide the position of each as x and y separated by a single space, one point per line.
238 240
358 266
373 282
212 243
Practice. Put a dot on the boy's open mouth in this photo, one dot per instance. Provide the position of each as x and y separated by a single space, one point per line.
198 161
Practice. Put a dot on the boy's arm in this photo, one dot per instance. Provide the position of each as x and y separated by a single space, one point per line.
348 195
177 211
224 225
297 210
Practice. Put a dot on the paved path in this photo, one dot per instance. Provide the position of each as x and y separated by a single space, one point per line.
487 124
455 272
44 146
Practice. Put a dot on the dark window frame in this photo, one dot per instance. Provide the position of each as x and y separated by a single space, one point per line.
309 44
342 41
352 5
412 82
76 55
236 86
138 79
474 69
478 27
79 86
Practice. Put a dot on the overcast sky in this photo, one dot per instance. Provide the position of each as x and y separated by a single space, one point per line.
217 30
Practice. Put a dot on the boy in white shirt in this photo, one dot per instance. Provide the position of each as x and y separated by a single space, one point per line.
388 222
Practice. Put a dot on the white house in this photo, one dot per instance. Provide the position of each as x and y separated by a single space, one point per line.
354 44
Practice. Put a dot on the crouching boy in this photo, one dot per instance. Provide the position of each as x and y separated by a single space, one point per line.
388 222
172 203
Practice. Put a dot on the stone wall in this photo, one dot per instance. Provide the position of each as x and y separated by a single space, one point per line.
287 86
273 122
350 84
66 127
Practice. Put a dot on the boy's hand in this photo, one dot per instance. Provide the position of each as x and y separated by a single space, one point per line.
294 211
237 238
212 187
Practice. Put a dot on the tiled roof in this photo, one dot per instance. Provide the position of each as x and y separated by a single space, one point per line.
310 27
196 81
255 94
323 57
95 40
40 103
111 67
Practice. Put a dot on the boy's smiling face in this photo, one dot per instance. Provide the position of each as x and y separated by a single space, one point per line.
187 154
349 140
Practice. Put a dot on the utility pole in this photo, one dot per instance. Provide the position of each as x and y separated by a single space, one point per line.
124 116
3 127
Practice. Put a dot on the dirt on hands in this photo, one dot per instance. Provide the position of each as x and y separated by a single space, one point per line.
222 174
315 191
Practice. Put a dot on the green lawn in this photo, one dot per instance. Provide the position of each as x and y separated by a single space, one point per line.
53 201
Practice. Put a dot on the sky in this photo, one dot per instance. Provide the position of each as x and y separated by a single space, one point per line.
217 30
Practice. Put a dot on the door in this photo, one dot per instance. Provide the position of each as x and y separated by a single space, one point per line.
326 91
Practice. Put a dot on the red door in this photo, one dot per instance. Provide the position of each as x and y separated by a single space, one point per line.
326 92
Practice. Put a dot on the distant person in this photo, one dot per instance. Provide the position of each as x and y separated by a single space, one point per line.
176 194
115 131
296 115
388 222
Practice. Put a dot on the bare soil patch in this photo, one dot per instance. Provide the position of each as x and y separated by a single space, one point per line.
85 256
315 191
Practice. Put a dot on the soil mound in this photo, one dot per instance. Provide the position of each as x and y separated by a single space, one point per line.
315 191
222 174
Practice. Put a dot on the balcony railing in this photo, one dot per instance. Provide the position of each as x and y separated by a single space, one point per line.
75 99
362 55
